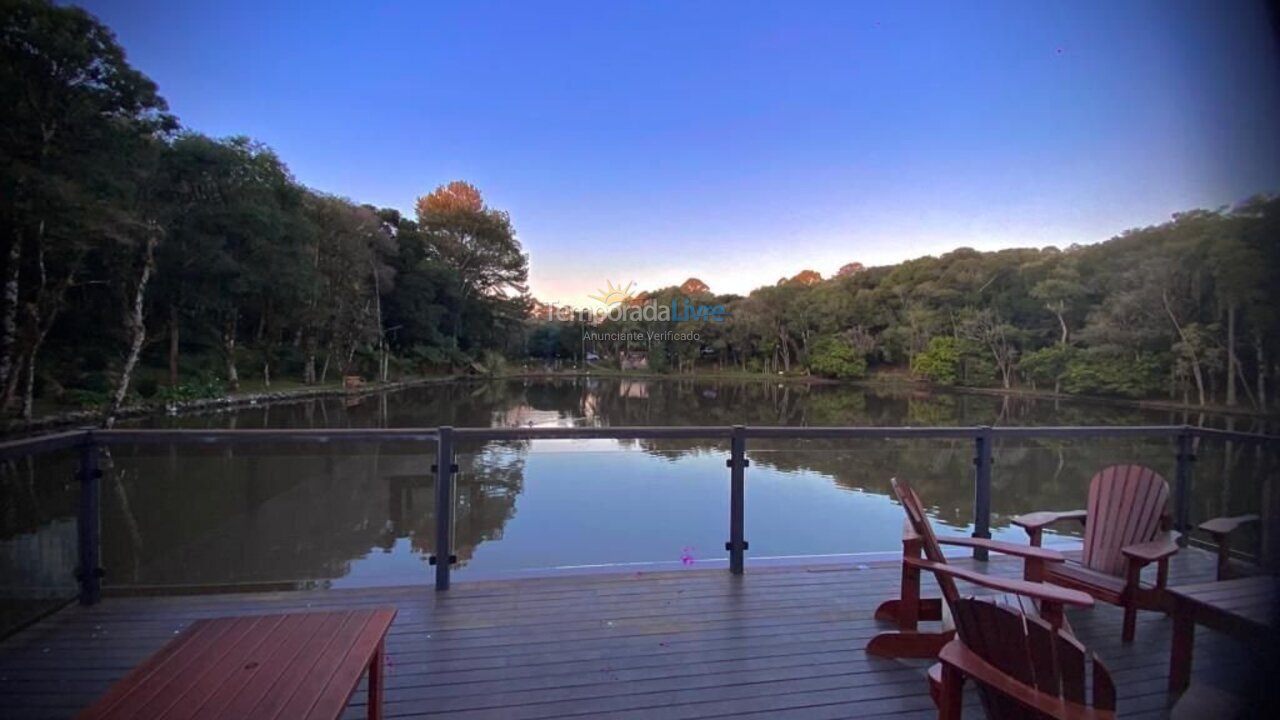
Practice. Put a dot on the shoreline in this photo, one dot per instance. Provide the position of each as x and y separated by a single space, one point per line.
80 418
1139 404
900 382
74 418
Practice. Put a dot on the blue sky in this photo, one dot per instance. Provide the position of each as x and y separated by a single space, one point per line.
741 141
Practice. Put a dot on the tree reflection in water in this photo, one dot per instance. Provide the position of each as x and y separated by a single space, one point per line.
365 513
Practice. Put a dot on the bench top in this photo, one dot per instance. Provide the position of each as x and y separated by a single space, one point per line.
1252 599
302 665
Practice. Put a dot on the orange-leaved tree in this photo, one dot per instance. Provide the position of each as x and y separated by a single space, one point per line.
477 242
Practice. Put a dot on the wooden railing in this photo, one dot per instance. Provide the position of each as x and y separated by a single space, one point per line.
90 441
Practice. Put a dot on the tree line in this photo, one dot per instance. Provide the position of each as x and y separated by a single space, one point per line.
145 260
1184 310
142 258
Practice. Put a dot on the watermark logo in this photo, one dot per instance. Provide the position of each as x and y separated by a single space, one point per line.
614 295
621 305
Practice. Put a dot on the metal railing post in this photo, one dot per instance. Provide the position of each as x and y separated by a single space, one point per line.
982 489
89 524
445 470
1182 485
737 463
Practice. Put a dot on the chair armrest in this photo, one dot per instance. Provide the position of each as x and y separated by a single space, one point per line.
1036 591
1221 526
1038 520
1220 529
971 664
1157 549
1023 551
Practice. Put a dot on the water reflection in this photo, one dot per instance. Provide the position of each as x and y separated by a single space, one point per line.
365 513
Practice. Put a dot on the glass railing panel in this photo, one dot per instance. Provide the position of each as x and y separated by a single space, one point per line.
224 517
39 551
828 498
553 506
1231 478
1032 474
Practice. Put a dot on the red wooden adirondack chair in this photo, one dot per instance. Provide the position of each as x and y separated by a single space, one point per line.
1126 528
1028 595
1023 667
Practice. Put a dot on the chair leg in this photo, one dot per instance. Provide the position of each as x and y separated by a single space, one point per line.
1133 585
926 609
376 670
922 645
950 698
1130 620
909 608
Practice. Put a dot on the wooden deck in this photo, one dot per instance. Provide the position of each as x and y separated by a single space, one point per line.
778 642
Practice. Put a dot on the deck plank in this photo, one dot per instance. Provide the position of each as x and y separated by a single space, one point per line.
779 642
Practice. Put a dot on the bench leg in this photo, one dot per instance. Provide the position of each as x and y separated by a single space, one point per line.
1184 636
375 683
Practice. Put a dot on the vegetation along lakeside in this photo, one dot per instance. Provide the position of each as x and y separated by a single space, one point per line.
148 264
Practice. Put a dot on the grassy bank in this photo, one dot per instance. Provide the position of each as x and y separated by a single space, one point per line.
251 393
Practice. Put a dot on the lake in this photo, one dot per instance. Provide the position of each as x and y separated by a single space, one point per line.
357 514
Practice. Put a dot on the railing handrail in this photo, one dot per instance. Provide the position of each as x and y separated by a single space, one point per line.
51 442
14 449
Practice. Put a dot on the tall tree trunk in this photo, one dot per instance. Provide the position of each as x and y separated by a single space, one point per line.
173 345
229 349
262 321
9 322
1231 354
135 324
309 367
1190 347
30 363
1262 370
29 388
10 388
1058 309
382 335
42 314
1240 375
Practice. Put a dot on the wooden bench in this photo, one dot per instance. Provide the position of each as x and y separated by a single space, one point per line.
1245 609
303 665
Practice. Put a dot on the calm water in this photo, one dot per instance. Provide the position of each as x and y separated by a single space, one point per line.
359 514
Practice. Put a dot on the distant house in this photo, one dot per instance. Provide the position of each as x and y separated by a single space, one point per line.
634 361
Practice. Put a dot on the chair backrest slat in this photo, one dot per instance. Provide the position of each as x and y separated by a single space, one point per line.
1126 503
1104 690
1071 656
924 529
1044 659
1000 638
1030 652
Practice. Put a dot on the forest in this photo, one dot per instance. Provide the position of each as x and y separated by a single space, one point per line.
143 261
1183 311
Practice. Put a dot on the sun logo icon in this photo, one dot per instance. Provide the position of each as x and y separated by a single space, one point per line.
614 294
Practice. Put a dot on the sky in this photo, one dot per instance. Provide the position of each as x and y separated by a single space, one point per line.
739 141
